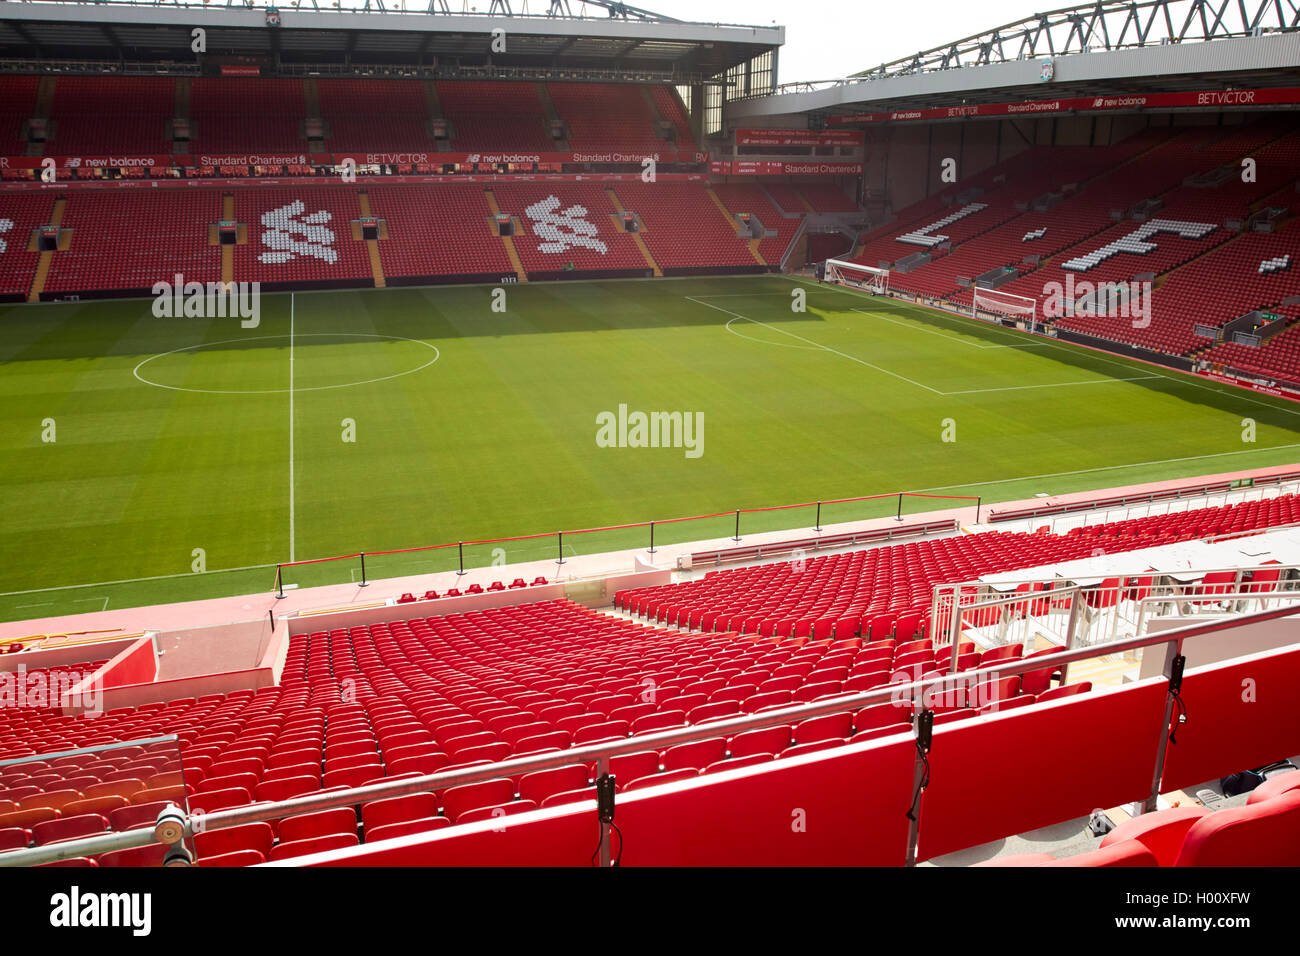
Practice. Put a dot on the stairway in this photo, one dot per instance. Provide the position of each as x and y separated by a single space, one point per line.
515 262
181 110
227 252
47 258
372 245
44 101
548 107
636 236
731 221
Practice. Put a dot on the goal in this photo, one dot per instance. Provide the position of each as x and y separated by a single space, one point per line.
857 275
1021 307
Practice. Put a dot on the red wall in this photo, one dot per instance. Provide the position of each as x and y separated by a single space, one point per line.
1240 714
1009 773
839 808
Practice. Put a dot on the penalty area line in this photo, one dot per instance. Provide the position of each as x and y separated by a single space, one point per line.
818 345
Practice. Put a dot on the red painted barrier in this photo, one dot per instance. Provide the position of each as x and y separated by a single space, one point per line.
1240 714
1005 774
816 810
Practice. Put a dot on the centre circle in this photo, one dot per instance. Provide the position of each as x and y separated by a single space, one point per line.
150 370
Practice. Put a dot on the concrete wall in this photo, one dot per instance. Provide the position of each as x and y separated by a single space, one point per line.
596 592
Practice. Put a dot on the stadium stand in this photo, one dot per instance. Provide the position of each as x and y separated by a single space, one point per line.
131 241
17 105
494 116
887 592
608 117
1224 285
670 108
300 236
374 115
240 115
24 212
684 227
438 231
821 197
141 107
741 197
544 246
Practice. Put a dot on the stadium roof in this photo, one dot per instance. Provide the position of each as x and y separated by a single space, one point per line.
1098 48
343 35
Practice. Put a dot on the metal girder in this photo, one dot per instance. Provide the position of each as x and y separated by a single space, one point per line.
558 9
30 40
111 37
1103 25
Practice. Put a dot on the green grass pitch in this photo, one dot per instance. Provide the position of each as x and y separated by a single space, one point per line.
174 440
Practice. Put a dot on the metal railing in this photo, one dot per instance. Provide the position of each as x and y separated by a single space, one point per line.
460 556
1103 26
1095 613
923 690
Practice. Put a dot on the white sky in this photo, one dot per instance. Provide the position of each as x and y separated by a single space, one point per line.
826 39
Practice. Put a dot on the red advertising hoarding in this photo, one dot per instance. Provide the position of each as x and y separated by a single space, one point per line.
1085 104
799 137
798 167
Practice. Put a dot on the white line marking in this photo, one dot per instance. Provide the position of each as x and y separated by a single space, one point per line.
952 338
824 348
784 345
277 391
747 295
1016 388
84 600
1088 471
105 584
292 534
1079 351
968 391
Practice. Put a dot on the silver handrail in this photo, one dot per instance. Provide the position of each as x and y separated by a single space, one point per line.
602 752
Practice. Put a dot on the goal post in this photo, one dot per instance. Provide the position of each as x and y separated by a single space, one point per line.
859 276
1006 304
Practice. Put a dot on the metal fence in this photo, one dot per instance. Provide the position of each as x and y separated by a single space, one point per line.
1099 611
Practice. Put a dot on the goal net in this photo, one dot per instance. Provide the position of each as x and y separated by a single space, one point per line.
1005 304
857 275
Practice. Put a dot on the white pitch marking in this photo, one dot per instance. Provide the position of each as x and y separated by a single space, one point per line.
1088 471
824 348
84 600
1016 388
437 354
105 584
944 335
968 391
1185 379
292 534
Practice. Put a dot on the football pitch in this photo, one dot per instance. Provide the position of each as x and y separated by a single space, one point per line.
147 459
